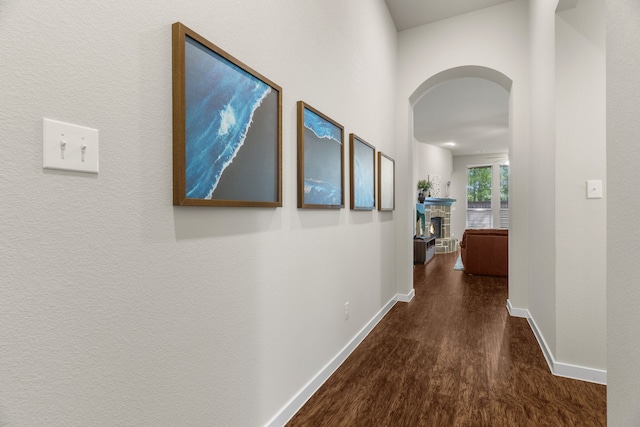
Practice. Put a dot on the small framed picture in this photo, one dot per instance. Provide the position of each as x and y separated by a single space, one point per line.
362 174
320 160
386 182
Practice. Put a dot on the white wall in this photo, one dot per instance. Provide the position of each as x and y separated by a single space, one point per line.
120 309
542 163
623 225
581 155
433 160
495 38
459 192
567 287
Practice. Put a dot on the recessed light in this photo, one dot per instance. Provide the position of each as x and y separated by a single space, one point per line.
450 144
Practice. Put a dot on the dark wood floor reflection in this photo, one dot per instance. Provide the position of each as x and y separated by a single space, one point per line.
452 357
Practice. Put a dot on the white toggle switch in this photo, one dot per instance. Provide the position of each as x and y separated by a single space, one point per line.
69 147
594 189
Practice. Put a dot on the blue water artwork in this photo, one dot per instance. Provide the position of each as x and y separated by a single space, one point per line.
363 174
323 157
231 130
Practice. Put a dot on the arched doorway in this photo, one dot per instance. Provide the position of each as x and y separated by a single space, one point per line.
461 117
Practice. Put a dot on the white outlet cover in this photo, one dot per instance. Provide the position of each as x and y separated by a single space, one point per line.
62 147
594 189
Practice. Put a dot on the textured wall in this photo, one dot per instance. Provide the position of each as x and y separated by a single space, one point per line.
623 229
542 163
119 309
581 223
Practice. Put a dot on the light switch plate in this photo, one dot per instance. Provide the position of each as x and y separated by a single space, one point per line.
594 189
69 147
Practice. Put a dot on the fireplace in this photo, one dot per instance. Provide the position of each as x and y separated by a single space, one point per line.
435 228
437 221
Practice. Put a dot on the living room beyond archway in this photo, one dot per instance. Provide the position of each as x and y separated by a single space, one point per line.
461 124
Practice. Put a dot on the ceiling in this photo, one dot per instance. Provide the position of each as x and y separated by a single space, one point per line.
412 13
469 116
472 113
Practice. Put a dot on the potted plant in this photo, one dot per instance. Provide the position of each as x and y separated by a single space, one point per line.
423 187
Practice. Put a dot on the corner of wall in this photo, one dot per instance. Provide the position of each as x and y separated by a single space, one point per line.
559 369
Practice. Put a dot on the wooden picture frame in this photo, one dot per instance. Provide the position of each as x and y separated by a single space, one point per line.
362 174
320 160
386 183
227 128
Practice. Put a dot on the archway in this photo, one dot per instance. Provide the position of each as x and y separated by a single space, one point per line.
491 98
458 73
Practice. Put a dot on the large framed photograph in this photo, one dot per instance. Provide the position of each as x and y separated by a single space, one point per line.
227 128
386 183
320 160
362 174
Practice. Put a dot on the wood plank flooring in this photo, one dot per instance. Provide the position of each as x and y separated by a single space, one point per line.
452 357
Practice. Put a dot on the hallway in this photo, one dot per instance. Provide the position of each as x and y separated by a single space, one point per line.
452 357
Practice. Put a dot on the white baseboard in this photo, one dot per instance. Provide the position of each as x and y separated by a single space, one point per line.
591 375
546 351
406 297
559 369
517 312
297 401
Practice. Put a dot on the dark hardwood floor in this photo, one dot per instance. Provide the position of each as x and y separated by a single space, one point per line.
452 357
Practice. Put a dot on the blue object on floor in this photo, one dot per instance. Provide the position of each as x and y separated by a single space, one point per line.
459 265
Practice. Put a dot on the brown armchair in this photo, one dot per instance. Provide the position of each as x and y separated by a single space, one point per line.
485 251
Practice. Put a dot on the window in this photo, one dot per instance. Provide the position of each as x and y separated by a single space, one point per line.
479 214
488 196
504 196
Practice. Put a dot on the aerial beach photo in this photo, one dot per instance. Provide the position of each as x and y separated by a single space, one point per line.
323 156
227 128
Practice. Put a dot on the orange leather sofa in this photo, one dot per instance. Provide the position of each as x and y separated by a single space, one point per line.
485 251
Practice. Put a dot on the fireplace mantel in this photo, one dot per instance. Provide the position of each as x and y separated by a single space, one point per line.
438 201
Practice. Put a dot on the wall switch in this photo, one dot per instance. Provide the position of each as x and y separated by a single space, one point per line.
69 147
594 189
346 311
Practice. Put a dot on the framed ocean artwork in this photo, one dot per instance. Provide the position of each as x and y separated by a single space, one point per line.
227 128
386 182
320 160
362 174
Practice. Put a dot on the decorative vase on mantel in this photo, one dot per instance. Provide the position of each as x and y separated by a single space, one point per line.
424 186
